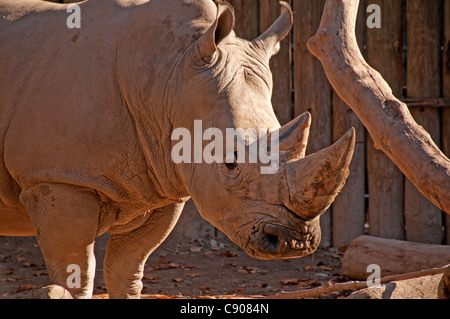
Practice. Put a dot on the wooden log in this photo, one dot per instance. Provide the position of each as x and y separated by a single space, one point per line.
446 93
385 180
312 91
423 220
348 210
357 285
403 289
393 256
444 285
387 119
280 64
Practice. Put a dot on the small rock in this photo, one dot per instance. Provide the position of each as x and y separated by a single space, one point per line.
196 249
213 243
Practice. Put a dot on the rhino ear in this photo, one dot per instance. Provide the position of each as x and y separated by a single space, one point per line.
269 41
219 30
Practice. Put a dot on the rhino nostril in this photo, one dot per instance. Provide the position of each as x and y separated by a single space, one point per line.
272 240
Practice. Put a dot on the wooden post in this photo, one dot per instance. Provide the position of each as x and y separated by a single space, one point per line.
423 220
385 180
191 226
280 64
348 210
312 91
446 93
246 13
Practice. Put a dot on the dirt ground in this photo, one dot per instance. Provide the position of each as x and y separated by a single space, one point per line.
183 269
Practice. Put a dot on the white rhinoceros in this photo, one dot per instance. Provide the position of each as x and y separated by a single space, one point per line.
87 116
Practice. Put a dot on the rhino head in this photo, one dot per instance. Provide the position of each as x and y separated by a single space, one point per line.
225 82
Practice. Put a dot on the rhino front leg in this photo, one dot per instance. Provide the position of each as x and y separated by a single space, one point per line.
128 251
65 219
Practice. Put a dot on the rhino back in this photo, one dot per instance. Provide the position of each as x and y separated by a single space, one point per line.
63 115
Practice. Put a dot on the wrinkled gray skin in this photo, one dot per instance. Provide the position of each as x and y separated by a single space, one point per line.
86 122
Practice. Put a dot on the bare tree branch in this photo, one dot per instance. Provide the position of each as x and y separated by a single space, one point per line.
387 119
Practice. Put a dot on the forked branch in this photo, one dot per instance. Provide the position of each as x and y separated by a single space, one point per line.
387 119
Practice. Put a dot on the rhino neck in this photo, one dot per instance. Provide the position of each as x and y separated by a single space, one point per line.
149 49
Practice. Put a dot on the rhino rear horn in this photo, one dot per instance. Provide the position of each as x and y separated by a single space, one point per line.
293 137
315 180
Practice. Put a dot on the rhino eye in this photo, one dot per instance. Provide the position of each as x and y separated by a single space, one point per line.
233 165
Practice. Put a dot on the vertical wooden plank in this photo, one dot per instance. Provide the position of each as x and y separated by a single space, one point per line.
280 64
446 93
348 211
312 91
423 220
385 180
246 13
191 225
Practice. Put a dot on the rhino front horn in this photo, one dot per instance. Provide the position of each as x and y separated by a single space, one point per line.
315 181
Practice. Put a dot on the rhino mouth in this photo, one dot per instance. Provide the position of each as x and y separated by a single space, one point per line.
272 240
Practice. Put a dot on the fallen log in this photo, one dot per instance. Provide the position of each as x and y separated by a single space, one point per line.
387 119
425 287
354 285
392 256
444 285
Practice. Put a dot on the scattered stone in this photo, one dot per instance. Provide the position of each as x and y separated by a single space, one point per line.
213 243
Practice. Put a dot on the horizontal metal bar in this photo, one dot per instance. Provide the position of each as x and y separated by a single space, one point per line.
437 102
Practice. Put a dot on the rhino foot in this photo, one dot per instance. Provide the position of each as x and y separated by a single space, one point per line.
47 292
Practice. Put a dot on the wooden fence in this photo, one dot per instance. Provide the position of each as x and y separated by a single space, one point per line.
412 52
